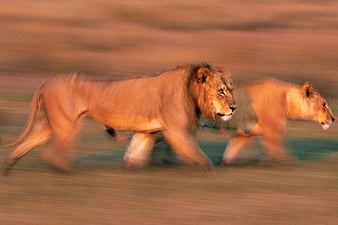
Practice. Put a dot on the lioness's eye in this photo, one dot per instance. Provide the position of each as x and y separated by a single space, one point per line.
324 106
221 92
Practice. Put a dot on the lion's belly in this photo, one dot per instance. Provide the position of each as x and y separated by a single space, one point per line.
133 124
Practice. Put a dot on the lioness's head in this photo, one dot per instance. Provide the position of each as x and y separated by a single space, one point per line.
212 89
317 107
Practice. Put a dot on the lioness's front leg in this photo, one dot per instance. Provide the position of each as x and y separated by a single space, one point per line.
187 149
139 150
275 148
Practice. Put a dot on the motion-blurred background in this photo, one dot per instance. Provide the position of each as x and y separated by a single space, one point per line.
293 40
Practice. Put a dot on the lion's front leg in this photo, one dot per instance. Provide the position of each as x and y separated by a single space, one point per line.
188 150
234 146
139 150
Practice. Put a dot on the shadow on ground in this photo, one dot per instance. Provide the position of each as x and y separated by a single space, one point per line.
163 156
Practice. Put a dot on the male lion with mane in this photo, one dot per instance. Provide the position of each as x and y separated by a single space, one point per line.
263 110
170 103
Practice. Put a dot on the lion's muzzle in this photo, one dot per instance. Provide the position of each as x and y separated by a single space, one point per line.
325 125
226 117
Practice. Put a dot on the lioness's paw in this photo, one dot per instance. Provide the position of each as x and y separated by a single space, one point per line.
135 163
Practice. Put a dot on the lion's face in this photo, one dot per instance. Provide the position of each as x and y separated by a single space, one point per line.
217 99
317 107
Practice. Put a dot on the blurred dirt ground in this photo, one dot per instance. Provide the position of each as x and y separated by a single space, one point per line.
295 41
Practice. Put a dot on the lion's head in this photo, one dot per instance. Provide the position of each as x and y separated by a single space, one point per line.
316 107
213 92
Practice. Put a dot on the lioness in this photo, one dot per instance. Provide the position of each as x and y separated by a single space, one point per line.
171 103
263 110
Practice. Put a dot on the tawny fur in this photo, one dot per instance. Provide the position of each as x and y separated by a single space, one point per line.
270 103
170 103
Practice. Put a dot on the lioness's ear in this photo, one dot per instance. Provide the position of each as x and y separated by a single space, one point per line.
308 90
202 74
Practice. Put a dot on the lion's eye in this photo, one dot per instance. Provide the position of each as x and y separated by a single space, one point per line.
324 106
221 92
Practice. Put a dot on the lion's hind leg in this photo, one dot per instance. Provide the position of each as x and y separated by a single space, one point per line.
62 153
65 120
41 133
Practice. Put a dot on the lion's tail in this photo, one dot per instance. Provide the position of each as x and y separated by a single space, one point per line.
35 107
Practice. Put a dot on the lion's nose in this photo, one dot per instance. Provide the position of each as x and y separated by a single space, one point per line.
233 108
333 119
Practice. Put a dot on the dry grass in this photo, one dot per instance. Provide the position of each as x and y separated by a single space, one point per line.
253 39
171 196
98 191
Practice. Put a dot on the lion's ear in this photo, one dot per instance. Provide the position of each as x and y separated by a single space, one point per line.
308 90
220 69
202 74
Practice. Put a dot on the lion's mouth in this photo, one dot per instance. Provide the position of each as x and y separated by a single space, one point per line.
325 126
225 117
